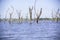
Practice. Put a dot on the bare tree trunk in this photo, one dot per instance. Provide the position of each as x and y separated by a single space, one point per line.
30 12
19 16
57 14
34 9
57 19
0 18
6 14
39 15
26 17
37 19
52 16
10 20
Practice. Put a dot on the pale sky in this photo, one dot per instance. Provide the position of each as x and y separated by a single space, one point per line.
23 6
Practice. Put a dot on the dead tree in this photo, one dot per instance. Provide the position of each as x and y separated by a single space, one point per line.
35 6
57 14
10 20
38 15
0 17
52 15
26 17
19 16
6 14
35 9
30 12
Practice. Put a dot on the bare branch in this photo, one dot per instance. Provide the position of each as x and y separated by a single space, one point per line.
40 12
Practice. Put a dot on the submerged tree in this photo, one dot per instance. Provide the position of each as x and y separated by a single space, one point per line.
6 14
19 16
52 15
35 9
26 17
30 12
10 20
38 15
0 17
57 15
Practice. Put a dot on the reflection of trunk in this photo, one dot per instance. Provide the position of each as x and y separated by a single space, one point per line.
39 15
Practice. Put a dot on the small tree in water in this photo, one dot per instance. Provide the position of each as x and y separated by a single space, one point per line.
0 17
57 15
10 20
10 14
19 16
6 15
39 15
30 12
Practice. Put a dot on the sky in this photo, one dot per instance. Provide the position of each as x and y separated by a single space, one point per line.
23 6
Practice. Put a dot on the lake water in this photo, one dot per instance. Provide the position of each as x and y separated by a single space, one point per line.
44 30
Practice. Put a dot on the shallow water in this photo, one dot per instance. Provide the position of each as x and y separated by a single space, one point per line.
44 30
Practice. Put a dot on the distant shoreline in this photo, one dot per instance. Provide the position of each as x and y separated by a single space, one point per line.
24 19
